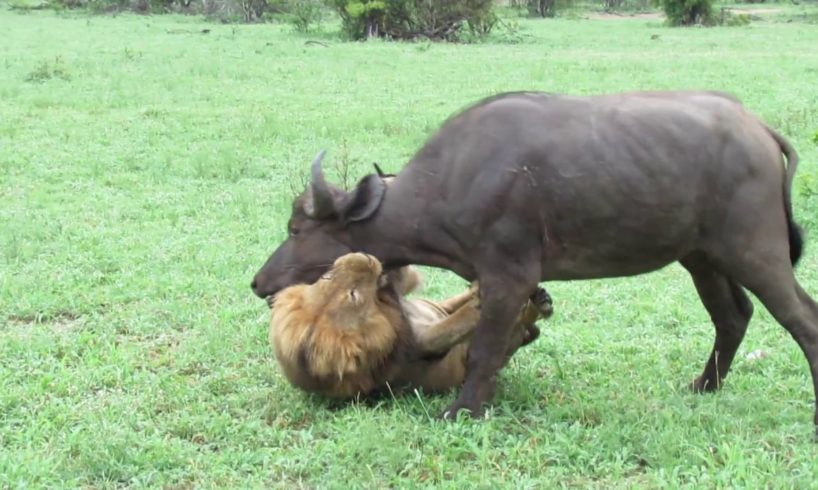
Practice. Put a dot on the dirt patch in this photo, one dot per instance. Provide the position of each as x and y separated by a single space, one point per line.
616 16
60 322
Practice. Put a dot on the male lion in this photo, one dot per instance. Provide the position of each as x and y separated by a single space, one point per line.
353 332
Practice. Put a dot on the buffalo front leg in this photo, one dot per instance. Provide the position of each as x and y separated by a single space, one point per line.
525 329
501 297
730 311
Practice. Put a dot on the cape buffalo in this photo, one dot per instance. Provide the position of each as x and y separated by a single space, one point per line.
527 187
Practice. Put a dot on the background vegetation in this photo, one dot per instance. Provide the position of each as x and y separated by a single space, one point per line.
146 167
447 20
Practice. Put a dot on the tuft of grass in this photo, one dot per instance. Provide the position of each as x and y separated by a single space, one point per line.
46 70
139 198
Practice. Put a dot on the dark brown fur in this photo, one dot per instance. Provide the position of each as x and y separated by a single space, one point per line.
522 188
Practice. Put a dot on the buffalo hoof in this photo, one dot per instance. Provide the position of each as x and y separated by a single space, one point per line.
703 385
455 410
542 300
531 334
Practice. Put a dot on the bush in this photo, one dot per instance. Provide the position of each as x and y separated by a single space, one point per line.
153 6
253 10
548 8
611 5
303 14
732 19
687 12
542 8
412 19
47 70
225 10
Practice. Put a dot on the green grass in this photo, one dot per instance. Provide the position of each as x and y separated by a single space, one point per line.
145 174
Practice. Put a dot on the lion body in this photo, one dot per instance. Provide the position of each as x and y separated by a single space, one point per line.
354 332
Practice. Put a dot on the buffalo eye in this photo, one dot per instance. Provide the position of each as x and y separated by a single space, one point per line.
292 231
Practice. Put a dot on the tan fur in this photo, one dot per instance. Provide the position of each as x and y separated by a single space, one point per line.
353 332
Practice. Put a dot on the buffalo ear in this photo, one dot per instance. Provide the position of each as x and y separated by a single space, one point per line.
380 171
364 200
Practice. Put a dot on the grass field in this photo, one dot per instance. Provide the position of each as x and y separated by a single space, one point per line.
145 174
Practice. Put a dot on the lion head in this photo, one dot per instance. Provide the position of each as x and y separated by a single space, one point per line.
333 336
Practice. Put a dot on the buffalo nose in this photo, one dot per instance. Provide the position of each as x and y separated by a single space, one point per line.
259 288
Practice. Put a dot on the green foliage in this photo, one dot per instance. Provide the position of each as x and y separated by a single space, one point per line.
100 6
46 70
152 6
687 12
546 8
254 10
412 19
541 8
28 5
68 4
225 10
732 19
807 187
360 19
304 14
611 5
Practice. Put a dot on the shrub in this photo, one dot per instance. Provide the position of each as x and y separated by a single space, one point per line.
548 8
154 6
253 10
687 12
731 19
360 18
47 70
225 10
542 8
611 5
481 26
412 19
303 14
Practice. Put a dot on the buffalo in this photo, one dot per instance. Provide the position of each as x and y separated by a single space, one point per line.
526 187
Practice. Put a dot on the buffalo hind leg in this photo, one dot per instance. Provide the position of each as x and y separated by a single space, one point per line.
798 313
730 310
501 296
772 280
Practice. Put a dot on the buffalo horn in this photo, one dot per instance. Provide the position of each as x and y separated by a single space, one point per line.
322 197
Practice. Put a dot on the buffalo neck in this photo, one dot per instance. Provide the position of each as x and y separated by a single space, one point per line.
404 232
